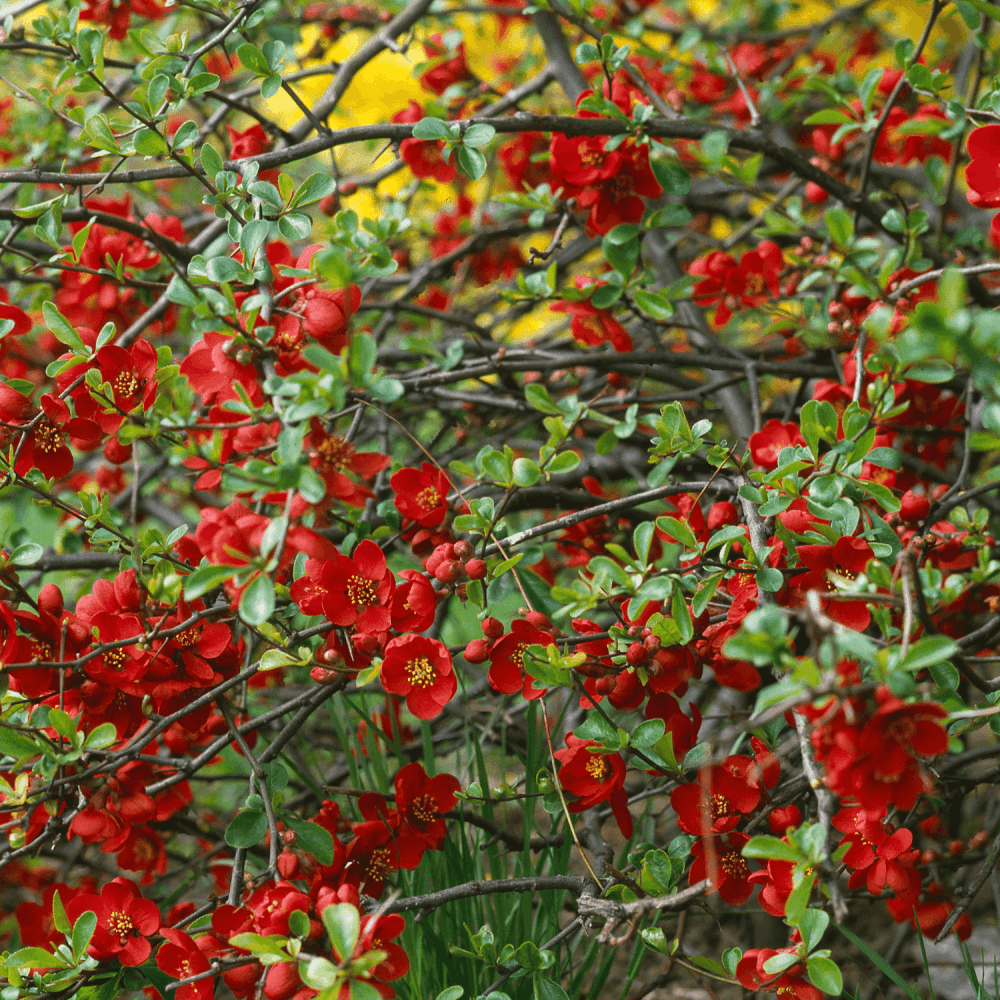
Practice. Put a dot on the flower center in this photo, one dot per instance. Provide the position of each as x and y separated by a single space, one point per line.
620 187
48 437
378 863
189 637
361 590
424 809
598 768
720 806
334 452
115 659
420 671
125 384
732 864
120 925
755 284
428 498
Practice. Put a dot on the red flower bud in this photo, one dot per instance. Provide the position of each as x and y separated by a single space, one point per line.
720 514
492 628
540 621
652 644
478 651
636 655
449 571
329 205
913 507
605 685
477 569
464 550
347 187
288 864
365 643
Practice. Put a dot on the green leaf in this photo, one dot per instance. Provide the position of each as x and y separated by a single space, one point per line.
312 837
314 188
83 931
13 744
538 397
672 177
929 651
103 736
478 135
431 128
257 600
546 989
824 975
840 225
812 927
769 579
654 305
679 530
471 162
526 472
205 577
450 993
565 461
35 958
247 828
771 847
648 733
879 962
63 330
343 925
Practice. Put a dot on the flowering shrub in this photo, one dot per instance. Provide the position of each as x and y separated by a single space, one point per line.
486 488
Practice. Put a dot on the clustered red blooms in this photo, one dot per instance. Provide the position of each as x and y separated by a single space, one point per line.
120 656
609 184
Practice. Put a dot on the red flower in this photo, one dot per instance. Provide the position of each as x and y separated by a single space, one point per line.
766 444
181 958
45 447
419 669
982 175
449 67
930 913
720 860
421 801
592 326
594 778
422 494
845 559
423 157
507 655
124 921
756 275
723 794
350 591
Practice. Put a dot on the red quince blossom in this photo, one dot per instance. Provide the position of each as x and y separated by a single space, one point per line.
351 591
507 656
880 857
610 183
118 15
788 983
423 157
982 175
449 67
421 802
930 913
845 560
592 326
720 860
766 444
594 777
420 669
125 922
422 494
181 958
876 759
45 446
723 794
